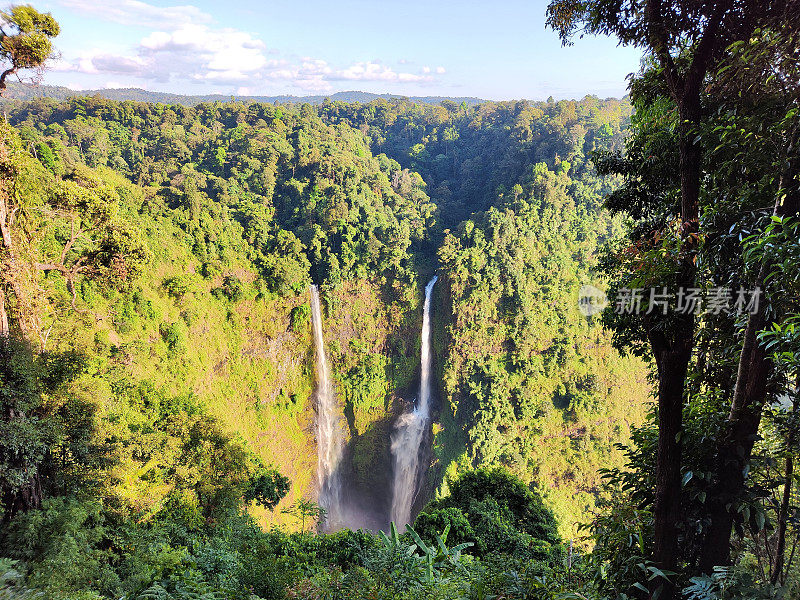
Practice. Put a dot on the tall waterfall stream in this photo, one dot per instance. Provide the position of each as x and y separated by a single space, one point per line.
330 435
410 430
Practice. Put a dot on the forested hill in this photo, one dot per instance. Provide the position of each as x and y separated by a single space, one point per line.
21 92
164 252
469 157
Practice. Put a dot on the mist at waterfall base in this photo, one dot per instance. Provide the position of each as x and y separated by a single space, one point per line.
344 508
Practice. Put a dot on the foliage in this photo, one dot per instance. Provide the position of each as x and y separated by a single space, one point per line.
267 488
306 510
732 483
497 513
172 247
25 40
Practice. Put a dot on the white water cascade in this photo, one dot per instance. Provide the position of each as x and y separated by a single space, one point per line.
410 429
330 436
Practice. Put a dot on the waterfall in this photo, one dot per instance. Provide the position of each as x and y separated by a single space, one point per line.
330 438
410 429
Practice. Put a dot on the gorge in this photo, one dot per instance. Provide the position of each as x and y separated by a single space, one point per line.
407 440
267 305
254 202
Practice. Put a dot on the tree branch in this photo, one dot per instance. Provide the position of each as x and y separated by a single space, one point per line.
660 44
4 75
699 67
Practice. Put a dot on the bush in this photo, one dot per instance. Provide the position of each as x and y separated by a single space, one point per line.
232 289
299 316
267 488
179 286
505 516
365 384
12 582
429 524
47 157
64 543
174 336
209 270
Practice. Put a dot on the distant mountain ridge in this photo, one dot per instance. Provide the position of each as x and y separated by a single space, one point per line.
18 91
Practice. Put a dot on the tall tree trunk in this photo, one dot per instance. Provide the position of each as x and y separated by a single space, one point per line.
783 513
4 329
5 219
5 235
780 549
744 418
14 277
736 447
690 155
672 360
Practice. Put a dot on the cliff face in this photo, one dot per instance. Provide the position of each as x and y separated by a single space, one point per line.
528 381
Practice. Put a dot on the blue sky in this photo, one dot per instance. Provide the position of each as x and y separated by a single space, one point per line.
495 50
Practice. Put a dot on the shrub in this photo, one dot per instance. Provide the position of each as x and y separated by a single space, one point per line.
179 286
64 543
174 336
267 488
429 524
299 316
209 270
505 516
232 289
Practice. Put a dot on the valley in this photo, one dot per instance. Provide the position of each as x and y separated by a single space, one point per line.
243 206
370 345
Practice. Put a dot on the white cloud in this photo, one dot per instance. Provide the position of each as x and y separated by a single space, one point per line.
440 70
185 46
372 71
111 63
366 71
316 75
192 52
201 53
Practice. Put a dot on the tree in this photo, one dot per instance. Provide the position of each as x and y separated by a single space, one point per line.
687 41
26 436
26 41
35 424
96 243
267 488
496 511
306 509
759 86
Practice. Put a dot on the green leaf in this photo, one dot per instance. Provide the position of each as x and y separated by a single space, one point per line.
760 520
